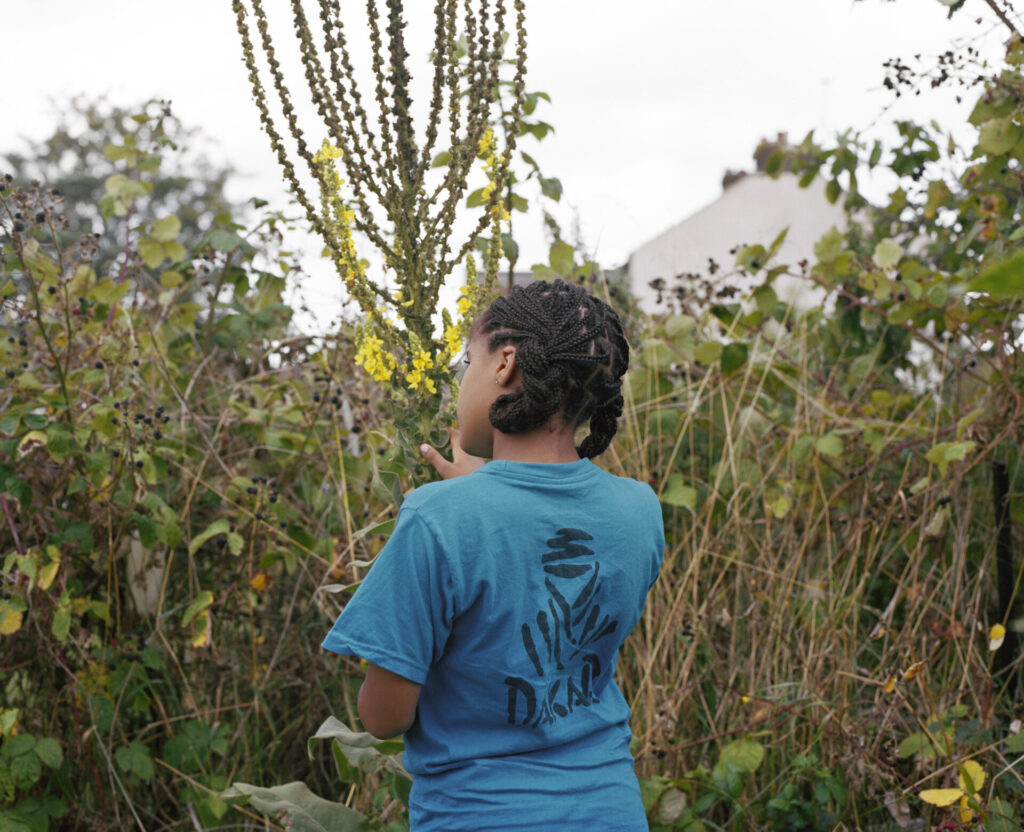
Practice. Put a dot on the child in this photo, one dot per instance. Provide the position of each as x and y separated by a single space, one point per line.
492 618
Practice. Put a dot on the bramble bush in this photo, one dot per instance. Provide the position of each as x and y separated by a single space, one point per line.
188 490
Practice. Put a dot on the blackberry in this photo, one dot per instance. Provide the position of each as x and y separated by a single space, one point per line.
19 226
139 463
158 435
99 365
116 452
316 397
51 289
135 362
252 489
41 216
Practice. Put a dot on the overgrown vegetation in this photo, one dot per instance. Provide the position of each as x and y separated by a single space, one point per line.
188 489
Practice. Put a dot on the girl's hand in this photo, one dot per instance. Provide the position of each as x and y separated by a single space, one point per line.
462 463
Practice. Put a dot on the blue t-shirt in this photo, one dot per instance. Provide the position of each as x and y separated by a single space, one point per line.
506 594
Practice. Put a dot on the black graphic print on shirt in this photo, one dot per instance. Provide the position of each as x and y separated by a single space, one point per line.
559 641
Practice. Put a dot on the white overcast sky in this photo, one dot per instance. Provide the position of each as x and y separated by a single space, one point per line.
651 99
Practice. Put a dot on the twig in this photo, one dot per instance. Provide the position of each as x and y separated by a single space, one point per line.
1002 16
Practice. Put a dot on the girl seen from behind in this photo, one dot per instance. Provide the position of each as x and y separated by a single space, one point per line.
493 617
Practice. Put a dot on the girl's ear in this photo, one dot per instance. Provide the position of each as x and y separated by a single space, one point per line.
506 368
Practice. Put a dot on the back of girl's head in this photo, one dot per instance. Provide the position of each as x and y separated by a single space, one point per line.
571 354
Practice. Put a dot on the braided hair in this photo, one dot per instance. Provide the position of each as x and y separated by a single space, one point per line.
571 353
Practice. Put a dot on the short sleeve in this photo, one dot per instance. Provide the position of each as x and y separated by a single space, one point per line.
401 614
658 523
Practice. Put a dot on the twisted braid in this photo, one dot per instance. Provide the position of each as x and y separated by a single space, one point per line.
572 355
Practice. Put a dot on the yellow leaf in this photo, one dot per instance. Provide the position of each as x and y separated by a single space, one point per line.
10 622
31 440
47 574
972 777
202 639
966 814
913 670
890 684
941 797
996 636
260 582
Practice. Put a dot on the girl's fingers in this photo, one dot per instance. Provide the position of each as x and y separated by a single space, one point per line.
462 463
441 465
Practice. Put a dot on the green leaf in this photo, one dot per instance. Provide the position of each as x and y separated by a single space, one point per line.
48 750
1002 817
1015 744
678 494
475 199
916 744
998 135
221 526
298 808
708 352
17 745
358 751
562 259
551 188
828 247
746 755
765 299
165 229
136 758
26 770
509 247
945 452
829 445
1003 280
228 241
752 258
887 254
61 624
833 191
677 325
442 159
203 600
734 356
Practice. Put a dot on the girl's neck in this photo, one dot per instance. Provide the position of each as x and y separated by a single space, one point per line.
551 443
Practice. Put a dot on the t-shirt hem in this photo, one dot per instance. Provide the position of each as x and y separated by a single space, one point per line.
381 658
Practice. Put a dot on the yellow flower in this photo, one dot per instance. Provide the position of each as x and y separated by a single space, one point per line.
453 339
417 377
373 359
398 299
486 143
327 152
466 301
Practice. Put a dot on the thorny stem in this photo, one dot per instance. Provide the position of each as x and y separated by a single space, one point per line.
993 4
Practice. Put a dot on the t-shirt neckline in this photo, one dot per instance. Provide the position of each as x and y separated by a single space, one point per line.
578 469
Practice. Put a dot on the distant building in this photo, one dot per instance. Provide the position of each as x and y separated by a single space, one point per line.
753 208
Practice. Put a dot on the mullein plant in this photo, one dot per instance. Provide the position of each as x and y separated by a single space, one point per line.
386 174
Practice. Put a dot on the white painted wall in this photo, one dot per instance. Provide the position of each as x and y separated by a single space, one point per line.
750 211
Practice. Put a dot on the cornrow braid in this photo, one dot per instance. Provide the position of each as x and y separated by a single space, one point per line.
572 355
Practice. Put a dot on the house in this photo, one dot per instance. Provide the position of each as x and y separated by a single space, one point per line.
753 208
